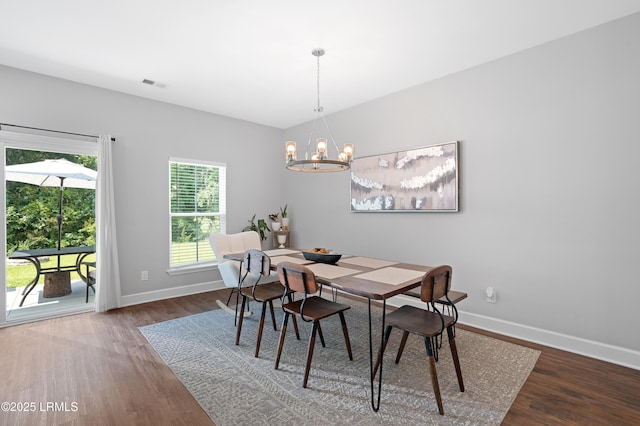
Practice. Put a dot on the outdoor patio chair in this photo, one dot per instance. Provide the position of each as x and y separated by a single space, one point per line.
89 278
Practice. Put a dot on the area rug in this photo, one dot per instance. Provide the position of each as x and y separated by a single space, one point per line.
235 388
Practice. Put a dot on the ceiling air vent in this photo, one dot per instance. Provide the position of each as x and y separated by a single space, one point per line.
154 83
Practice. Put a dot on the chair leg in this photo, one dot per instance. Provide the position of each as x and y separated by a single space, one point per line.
346 335
401 347
312 343
86 299
454 354
273 316
230 294
235 320
240 318
295 327
387 333
295 322
260 327
321 335
434 374
283 331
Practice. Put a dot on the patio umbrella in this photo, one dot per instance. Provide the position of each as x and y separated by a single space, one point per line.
61 173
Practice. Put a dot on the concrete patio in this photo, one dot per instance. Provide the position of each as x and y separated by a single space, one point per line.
36 305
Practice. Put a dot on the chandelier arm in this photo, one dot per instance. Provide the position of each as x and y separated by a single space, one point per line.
313 128
330 134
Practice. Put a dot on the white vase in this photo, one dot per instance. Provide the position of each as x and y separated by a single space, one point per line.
275 226
285 221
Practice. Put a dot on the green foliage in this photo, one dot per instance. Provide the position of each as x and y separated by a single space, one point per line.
261 227
283 211
32 210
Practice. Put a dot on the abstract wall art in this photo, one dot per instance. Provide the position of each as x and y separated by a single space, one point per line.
417 180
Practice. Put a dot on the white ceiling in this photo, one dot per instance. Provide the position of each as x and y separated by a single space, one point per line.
251 59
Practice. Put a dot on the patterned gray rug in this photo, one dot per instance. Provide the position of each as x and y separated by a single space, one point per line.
234 388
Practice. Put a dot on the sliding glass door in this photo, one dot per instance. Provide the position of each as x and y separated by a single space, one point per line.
49 226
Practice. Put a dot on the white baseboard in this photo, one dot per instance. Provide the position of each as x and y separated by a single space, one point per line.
167 293
602 351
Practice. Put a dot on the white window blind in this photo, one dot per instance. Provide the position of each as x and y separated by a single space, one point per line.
197 195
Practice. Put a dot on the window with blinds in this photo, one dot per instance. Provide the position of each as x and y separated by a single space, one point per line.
197 196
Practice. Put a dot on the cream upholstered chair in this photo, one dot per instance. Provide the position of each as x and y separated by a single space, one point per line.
229 269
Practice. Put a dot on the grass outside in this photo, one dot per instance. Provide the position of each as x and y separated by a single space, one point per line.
21 275
181 253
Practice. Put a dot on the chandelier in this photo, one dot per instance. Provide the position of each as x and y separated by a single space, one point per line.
317 158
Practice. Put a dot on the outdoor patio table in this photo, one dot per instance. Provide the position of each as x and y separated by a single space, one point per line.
34 256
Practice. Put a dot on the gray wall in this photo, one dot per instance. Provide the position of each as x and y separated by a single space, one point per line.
548 184
548 204
148 133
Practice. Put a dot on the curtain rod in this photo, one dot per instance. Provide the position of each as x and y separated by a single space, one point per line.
53 131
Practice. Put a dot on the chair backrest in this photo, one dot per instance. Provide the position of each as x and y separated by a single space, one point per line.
297 278
233 243
257 262
436 284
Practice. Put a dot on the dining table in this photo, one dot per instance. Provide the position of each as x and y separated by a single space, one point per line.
371 278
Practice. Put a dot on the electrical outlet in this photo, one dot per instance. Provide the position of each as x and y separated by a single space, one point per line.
144 275
491 294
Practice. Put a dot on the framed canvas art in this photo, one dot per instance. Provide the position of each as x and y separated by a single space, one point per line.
417 180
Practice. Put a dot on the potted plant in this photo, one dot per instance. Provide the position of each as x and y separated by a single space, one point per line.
261 227
285 219
275 223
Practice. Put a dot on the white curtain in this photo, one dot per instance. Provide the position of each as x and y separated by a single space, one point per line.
108 295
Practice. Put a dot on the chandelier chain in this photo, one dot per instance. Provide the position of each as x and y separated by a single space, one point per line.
318 108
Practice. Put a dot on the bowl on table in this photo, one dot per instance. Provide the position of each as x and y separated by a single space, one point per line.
321 255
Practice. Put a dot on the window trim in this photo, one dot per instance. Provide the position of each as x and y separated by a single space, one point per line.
222 214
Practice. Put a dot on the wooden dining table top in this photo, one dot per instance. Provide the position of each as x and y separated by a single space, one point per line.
389 279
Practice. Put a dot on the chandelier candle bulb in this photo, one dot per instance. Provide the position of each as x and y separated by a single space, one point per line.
291 151
347 150
321 146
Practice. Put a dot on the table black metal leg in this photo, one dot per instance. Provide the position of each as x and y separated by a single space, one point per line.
235 319
33 283
375 402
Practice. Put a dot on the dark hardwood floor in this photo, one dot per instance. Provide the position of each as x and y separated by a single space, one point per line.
97 369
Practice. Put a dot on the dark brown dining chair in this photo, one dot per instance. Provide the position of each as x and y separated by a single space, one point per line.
258 266
311 308
429 323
